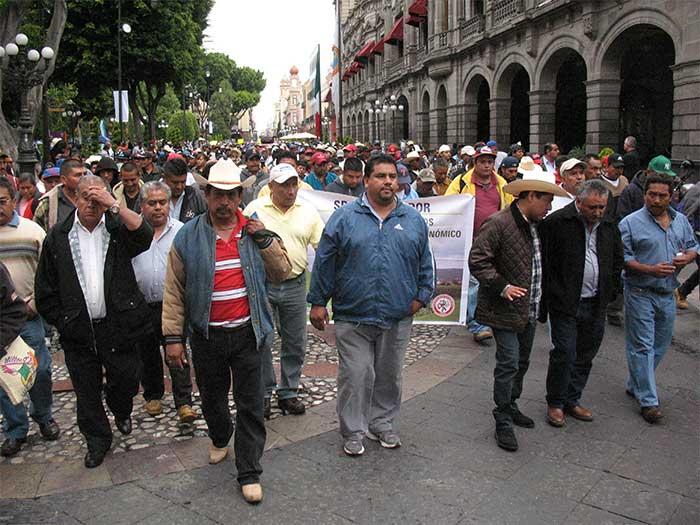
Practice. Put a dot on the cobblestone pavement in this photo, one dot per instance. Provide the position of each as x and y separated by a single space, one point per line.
318 386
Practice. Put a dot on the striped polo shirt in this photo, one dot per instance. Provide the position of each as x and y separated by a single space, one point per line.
229 300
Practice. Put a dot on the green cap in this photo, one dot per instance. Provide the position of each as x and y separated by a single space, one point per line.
661 165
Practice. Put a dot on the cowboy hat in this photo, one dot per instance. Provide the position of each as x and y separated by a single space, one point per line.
224 175
533 180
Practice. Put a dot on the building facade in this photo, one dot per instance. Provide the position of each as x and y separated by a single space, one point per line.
290 107
575 72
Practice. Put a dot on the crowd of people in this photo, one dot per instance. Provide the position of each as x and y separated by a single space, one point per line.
136 250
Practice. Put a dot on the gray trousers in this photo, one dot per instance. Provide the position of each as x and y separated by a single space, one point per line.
369 375
288 301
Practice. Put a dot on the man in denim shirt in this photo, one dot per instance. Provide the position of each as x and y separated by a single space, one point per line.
658 242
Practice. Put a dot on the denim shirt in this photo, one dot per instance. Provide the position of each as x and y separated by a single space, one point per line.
196 244
646 242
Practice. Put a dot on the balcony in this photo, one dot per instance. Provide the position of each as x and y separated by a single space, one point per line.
439 41
469 29
504 10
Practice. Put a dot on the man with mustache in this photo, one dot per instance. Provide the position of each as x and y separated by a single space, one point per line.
658 241
149 269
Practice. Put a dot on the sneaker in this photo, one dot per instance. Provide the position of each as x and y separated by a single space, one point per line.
505 437
153 407
186 414
354 447
387 439
681 300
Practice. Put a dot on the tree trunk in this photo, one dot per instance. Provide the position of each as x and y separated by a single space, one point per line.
10 20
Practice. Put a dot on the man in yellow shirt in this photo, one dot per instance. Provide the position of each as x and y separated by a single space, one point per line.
486 186
299 225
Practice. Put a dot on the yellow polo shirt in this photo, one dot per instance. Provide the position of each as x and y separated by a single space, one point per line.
299 227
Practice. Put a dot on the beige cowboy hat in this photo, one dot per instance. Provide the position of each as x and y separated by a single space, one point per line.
224 175
535 180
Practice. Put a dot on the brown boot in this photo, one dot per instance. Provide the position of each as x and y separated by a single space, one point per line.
252 493
652 414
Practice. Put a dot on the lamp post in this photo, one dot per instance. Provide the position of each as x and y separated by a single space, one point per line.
73 114
121 28
25 70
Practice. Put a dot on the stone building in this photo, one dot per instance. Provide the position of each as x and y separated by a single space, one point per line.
290 107
572 71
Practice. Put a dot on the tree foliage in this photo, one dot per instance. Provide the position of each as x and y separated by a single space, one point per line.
182 126
164 46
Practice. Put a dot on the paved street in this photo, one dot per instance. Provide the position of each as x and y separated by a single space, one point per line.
617 469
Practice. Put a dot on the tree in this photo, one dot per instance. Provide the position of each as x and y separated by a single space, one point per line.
12 20
228 106
182 126
164 46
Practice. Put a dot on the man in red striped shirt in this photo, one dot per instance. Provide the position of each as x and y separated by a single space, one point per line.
223 300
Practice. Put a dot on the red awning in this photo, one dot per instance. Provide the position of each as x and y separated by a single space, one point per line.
396 34
415 21
378 48
365 52
419 8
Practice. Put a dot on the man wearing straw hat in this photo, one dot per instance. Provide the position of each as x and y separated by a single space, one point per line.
216 285
506 259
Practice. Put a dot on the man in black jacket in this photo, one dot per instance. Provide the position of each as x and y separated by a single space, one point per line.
13 308
85 287
187 201
582 262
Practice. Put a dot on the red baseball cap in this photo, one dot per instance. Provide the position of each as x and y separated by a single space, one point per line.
350 147
319 158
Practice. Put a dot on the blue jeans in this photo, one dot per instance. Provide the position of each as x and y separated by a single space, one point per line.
15 421
288 301
512 361
648 332
472 325
575 340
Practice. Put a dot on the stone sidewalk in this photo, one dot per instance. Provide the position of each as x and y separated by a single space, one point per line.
617 469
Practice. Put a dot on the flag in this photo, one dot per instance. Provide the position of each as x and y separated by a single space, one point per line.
315 74
335 79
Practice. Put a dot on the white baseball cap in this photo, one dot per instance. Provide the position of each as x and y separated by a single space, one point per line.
282 173
445 148
467 150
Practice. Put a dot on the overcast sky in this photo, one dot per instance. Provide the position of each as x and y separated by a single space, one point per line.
272 36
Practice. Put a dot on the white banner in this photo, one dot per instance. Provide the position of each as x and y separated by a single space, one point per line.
125 105
450 223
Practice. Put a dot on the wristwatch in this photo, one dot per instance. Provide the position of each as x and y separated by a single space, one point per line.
114 209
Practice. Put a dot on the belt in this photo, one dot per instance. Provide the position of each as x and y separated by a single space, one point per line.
658 291
234 329
593 299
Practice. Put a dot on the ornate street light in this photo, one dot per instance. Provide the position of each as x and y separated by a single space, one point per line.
25 70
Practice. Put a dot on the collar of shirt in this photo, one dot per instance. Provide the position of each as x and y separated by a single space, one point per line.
242 221
76 222
492 182
14 221
267 202
671 214
365 202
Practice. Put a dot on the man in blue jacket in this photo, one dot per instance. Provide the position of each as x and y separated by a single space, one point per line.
374 261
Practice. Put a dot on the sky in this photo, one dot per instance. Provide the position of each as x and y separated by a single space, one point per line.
272 36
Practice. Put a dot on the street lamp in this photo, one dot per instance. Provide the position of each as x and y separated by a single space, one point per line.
126 29
27 71
73 114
